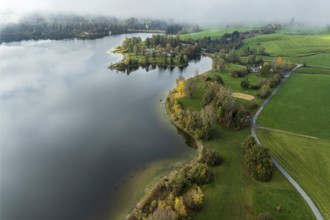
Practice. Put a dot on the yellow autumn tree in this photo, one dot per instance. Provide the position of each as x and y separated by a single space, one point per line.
198 197
180 84
181 87
180 207
280 65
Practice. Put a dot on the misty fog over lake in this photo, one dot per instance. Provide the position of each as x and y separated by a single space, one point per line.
71 129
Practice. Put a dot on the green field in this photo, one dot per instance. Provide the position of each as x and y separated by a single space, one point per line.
213 32
236 195
313 50
306 160
301 106
313 70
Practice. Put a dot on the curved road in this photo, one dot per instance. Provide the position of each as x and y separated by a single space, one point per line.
279 167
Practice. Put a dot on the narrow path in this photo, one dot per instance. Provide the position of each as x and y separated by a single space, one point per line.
322 67
287 132
277 165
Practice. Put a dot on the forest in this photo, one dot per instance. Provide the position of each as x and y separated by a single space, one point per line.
64 26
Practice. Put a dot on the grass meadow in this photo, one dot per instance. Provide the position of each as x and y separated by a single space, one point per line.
213 32
313 49
234 194
301 106
306 160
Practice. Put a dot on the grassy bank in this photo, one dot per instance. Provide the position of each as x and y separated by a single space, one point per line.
301 105
306 160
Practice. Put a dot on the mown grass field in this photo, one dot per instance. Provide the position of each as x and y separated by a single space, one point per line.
301 106
313 49
212 32
234 194
306 160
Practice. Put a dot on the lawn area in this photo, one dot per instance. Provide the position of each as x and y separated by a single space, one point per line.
306 160
212 32
301 106
234 194
312 49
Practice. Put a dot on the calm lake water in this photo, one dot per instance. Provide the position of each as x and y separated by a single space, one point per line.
70 129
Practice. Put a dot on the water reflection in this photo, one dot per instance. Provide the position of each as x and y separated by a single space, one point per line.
71 129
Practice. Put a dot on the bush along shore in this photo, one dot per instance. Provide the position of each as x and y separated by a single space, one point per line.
179 193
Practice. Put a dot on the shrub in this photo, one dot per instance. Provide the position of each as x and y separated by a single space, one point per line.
248 143
194 198
209 157
179 207
163 214
200 174
176 184
264 91
245 84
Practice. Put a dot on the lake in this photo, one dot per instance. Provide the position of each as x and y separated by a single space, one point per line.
71 129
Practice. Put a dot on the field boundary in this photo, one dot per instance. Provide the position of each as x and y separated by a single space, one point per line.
254 125
290 133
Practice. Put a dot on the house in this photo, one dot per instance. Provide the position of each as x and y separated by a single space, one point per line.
256 69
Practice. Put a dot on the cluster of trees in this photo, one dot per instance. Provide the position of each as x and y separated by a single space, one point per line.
257 159
62 26
275 69
179 192
227 42
161 50
198 124
240 73
182 28
231 41
264 86
228 112
218 106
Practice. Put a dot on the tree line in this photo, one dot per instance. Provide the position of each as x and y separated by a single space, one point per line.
62 26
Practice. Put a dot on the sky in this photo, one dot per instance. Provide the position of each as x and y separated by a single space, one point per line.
205 12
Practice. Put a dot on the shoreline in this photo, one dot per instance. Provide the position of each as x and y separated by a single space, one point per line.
152 188
157 170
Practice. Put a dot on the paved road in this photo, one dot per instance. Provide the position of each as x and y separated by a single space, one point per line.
277 165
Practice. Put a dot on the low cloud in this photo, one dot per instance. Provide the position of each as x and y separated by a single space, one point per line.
207 12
